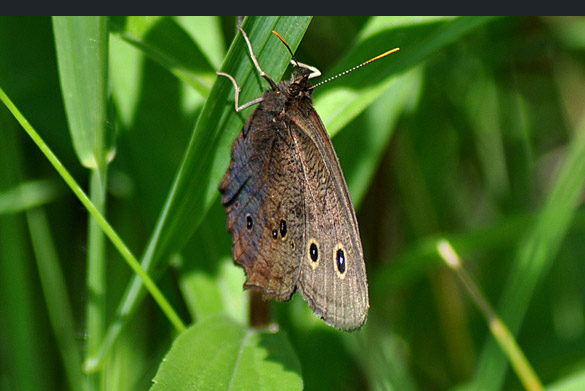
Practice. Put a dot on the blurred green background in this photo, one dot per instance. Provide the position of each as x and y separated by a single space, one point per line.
473 132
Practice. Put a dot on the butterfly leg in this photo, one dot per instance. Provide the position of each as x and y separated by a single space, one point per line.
255 60
237 94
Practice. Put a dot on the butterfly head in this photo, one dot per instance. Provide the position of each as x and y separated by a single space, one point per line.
299 85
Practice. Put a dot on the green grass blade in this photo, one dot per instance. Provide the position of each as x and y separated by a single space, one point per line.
82 52
28 195
342 100
535 255
55 292
167 43
206 31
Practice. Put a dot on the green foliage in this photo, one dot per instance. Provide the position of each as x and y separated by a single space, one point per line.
220 354
473 131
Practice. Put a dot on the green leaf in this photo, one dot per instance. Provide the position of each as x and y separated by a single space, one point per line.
82 52
219 354
206 293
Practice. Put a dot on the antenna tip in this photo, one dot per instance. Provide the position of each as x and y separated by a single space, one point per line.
279 36
385 54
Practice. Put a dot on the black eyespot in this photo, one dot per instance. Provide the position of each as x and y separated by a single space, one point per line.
249 222
340 261
292 245
314 252
282 228
274 234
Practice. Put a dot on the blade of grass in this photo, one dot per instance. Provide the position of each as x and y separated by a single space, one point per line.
167 43
55 293
28 195
82 53
339 102
535 255
498 329
207 33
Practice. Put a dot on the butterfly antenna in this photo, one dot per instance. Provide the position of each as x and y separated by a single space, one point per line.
314 71
288 47
358 66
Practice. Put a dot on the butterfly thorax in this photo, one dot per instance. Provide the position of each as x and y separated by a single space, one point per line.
289 96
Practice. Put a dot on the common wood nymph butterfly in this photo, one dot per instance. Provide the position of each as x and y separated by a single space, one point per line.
289 210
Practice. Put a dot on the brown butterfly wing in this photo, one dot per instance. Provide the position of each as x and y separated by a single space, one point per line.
263 196
290 213
336 291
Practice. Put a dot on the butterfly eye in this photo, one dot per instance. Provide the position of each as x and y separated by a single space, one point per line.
294 89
